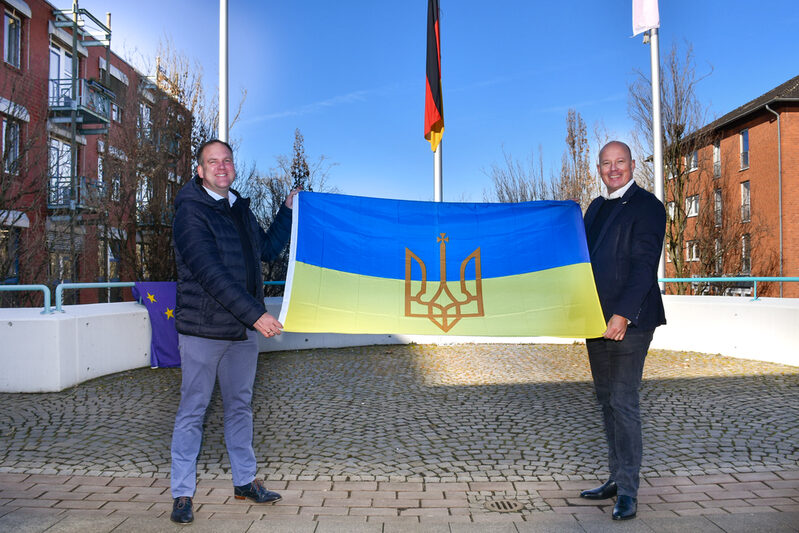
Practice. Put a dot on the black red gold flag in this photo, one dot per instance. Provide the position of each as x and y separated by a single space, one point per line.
433 103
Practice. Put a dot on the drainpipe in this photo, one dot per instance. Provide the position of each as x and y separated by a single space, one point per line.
779 183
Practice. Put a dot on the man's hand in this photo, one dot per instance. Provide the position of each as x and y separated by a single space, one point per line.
290 198
617 327
268 325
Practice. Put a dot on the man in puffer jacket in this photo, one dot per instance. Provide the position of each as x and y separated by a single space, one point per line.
219 247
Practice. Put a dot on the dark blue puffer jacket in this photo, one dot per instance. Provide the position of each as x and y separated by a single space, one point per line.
212 299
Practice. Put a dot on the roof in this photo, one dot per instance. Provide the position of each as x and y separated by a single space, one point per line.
788 91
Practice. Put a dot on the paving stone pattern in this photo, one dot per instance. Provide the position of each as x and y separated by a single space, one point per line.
421 413
415 438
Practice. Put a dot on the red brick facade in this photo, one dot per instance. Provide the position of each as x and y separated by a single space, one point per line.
763 174
27 100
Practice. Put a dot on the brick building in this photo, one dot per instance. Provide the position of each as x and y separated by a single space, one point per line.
741 201
92 153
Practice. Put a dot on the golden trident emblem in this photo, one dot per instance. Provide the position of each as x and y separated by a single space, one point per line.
443 308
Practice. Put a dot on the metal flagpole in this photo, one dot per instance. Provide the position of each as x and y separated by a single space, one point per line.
657 133
439 184
223 72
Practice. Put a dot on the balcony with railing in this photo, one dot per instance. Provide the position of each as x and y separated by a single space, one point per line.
83 193
92 106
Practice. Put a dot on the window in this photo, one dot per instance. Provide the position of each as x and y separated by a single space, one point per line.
718 256
99 169
744 144
745 202
60 166
692 251
12 40
143 192
693 161
717 201
668 253
60 90
692 206
61 268
717 159
60 160
115 186
10 145
116 113
746 254
145 122
670 210
9 257
108 262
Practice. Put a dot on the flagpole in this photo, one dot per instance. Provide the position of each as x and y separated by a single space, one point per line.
439 184
657 133
223 71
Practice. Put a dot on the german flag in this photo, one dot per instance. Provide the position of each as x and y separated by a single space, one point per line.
433 103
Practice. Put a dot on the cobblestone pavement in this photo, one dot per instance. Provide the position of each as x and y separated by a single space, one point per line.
417 435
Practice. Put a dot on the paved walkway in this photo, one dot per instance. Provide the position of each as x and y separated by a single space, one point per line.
415 438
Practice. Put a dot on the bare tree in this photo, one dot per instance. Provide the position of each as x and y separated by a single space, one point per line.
150 158
576 182
267 192
517 181
706 233
23 202
521 182
720 234
682 117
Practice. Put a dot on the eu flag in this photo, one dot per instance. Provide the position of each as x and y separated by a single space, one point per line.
159 297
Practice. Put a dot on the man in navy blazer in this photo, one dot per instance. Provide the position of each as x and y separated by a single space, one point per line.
625 229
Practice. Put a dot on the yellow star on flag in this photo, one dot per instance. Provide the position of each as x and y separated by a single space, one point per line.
169 313
151 297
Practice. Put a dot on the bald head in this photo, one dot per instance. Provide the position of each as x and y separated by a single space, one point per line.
615 165
619 144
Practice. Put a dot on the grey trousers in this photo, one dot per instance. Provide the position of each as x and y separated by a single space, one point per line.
202 362
617 367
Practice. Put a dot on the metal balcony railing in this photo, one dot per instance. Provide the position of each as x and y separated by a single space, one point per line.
84 193
93 103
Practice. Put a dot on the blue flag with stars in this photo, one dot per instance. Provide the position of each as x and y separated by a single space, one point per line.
159 297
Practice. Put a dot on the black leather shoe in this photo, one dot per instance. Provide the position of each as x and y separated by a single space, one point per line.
256 492
608 490
181 511
625 508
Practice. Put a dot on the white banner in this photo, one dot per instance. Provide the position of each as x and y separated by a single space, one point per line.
645 15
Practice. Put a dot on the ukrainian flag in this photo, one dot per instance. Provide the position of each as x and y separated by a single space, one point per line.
369 265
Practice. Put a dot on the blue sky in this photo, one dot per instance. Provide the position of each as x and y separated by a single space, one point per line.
350 75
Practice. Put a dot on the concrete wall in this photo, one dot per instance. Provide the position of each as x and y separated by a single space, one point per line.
766 329
47 353
44 353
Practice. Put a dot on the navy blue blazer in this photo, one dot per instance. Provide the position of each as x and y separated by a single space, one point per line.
625 257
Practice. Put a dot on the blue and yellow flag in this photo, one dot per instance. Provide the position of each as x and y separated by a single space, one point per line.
369 265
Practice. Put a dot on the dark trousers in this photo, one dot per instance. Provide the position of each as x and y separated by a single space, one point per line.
617 367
